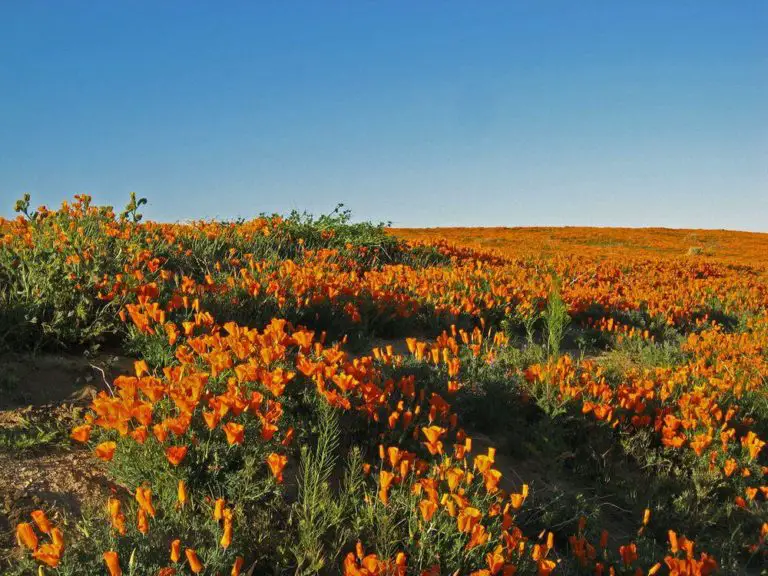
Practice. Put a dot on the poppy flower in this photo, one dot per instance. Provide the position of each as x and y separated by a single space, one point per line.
113 565
176 550
517 500
25 535
161 432
57 538
141 368
226 538
468 518
181 493
492 478
427 509
545 567
42 522
628 554
478 536
105 451
140 434
116 516
211 419
218 509
49 554
288 438
81 433
268 430
144 498
175 454
495 561
235 433
433 444
276 463
454 477
142 522
194 562
385 480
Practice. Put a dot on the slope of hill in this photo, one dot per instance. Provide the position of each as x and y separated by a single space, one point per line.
307 395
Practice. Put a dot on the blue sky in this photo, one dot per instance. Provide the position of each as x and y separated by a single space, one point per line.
424 113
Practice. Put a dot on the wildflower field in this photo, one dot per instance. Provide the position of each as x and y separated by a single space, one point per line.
309 395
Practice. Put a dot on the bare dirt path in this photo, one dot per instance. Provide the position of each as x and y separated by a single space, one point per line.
41 397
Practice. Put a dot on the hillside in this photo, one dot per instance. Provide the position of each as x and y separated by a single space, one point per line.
301 395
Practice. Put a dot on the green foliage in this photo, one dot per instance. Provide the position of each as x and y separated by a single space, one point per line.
56 283
556 320
27 436
131 210
49 294
319 516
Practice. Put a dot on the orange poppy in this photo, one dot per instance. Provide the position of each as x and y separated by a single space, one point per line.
113 565
218 509
144 498
235 433
105 451
226 538
385 480
142 523
181 493
117 517
175 454
468 518
194 562
81 433
276 463
427 509
42 522
176 550
49 554
25 535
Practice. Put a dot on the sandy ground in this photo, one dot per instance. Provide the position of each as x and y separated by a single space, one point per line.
41 398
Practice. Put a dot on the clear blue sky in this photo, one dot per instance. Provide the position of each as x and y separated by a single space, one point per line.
424 113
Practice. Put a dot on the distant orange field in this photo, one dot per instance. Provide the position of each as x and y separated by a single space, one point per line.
738 247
